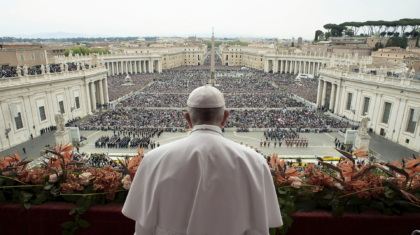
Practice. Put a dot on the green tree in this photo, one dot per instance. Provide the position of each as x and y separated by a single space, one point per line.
293 44
317 34
327 35
83 51
377 46
417 43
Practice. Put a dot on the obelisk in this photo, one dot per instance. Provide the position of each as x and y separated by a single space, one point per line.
212 74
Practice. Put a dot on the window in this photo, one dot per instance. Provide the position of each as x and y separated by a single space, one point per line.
76 101
18 121
42 55
412 123
32 56
42 113
22 58
366 106
61 106
387 111
349 98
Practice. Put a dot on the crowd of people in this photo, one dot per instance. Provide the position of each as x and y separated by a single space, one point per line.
130 118
263 118
130 138
11 71
269 100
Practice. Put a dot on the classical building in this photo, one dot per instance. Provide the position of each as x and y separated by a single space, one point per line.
23 56
144 59
397 54
270 60
29 103
392 103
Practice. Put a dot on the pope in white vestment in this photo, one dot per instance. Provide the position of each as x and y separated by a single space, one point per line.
203 184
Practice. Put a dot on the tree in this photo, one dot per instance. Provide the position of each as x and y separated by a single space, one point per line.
417 43
317 34
83 51
293 44
377 46
327 35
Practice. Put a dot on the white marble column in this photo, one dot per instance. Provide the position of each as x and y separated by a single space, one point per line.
313 72
101 92
105 90
319 94
324 94
126 67
113 70
304 67
332 97
135 67
281 66
300 66
117 64
92 97
337 99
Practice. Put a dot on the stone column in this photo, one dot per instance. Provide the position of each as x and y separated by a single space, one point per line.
135 67
92 97
324 94
313 72
101 92
105 90
300 66
337 99
126 67
281 66
113 70
319 94
150 66
304 67
332 97
118 67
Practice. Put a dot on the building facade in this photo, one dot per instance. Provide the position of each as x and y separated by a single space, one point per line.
143 59
29 103
392 104
270 60
24 56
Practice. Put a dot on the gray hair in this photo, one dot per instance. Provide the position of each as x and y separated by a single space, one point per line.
206 115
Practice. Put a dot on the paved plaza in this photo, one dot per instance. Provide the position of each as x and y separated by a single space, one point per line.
321 144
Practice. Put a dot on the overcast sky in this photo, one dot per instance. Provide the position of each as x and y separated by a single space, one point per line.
280 19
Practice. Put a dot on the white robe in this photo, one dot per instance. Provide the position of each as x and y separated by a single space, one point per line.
203 184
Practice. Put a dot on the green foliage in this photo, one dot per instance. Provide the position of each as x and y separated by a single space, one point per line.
293 44
378 45
84 51
232 43
327 35
396 41
417 43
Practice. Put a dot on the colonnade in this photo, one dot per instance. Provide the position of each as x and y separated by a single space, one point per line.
97 92
294 66
133 66
331 98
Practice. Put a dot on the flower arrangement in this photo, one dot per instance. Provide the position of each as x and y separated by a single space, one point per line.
390 188
63 178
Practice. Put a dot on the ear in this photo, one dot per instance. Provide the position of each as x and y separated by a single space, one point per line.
225 117
188 118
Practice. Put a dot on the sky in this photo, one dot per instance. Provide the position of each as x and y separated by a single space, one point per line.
279 18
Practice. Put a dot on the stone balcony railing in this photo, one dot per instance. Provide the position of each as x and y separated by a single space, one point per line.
12 81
